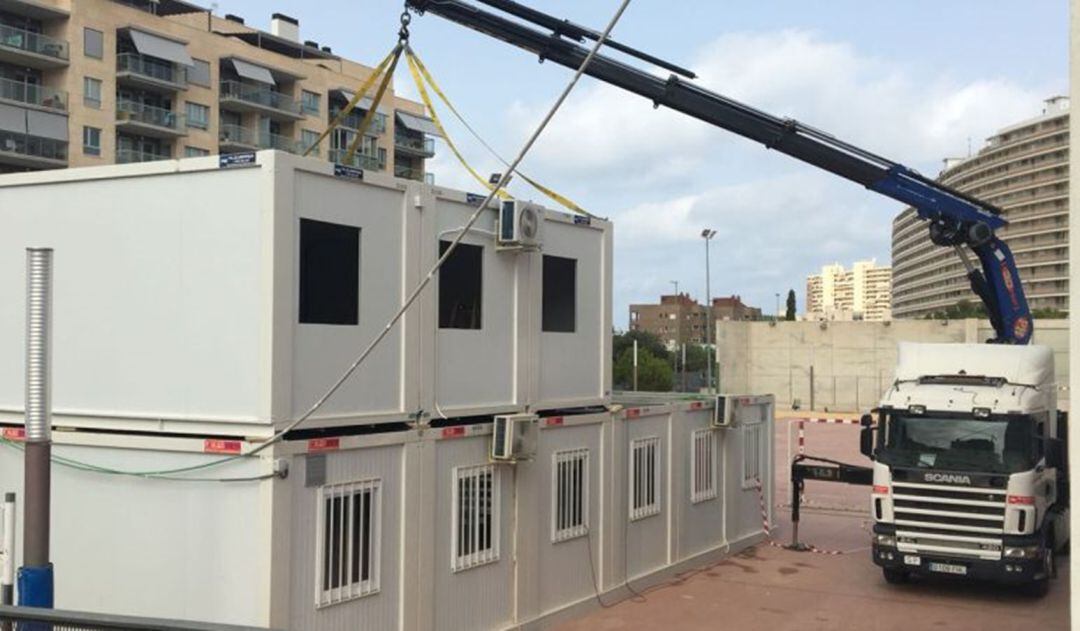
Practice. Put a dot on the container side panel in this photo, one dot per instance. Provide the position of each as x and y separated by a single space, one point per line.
700 523
646 537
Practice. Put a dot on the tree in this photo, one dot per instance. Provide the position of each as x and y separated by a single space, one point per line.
790 314
696 357
622 341
1048 313
654 373
959 311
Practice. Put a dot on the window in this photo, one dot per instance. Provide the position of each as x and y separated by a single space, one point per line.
559 295
91 140
644 477
311 102
307 139
569 495
461 280
702 465
349 536
752 447
195 152
92 92
198 116
475 529
199 73
329 273
93 43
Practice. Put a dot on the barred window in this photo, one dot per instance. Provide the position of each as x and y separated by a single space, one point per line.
569 494
753 440
475 529
349 540
644 477
702 465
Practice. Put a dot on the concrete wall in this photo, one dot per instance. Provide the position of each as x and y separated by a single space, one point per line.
852 361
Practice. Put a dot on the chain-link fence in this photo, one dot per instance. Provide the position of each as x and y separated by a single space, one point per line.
33 619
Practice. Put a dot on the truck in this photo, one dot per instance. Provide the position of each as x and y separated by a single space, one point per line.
969 465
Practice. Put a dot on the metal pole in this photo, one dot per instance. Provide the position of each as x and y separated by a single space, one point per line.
812 387
36 574
7 552
635 365
684 367
709 354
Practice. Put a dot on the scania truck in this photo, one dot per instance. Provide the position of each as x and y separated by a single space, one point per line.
969 465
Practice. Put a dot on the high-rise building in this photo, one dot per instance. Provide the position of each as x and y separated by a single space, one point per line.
1023 169
679 319
90 82
861 293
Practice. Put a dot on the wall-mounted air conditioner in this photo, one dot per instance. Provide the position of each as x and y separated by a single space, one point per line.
519 226
514 437
724 412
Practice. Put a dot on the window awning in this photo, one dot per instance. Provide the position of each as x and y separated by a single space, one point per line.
364 103
46 125
253 72
417 123
156 46
12 119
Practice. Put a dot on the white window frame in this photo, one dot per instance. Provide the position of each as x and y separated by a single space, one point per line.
348 590
194 121
702 465
753 437
569 495
646 502
465 550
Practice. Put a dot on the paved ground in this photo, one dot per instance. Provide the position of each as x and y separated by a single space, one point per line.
771 588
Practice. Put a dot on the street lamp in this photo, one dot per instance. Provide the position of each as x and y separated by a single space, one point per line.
776 314
710 355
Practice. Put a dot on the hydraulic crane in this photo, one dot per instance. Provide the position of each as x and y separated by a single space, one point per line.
955 218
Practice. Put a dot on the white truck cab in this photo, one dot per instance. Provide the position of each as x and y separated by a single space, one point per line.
969 465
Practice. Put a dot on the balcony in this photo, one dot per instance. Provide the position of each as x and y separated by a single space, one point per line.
420 146
33 50
32 152
245 97
360 160
130 156
149 72
235 138
36 95
147 120
353 120
413 173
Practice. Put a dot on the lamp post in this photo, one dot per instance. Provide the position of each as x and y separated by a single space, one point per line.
678 327
776 314
710 355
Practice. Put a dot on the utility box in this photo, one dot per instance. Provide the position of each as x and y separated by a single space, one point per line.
225 295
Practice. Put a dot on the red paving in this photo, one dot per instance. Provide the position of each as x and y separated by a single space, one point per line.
775 589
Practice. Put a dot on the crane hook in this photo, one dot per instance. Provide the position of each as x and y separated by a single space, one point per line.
403 32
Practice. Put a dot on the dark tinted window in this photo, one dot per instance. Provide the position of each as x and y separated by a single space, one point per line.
461 280
560 295
329 273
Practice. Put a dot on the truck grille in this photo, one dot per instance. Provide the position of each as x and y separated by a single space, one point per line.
953 520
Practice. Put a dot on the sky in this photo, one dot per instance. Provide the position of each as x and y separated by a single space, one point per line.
914 81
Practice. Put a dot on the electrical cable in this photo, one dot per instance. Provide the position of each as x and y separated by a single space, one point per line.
413 296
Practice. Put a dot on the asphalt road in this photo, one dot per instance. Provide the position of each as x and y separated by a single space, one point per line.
767 587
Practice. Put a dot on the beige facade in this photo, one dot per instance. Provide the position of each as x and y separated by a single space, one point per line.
679 319
861 293
1023 169
91 82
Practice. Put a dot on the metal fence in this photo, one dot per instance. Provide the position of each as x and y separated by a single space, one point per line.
32 619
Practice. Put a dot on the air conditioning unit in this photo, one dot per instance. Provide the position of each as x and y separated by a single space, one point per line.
514 437
520 224
724 412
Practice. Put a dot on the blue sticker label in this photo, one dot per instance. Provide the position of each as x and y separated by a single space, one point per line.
473 199
348 172
583 220
228 160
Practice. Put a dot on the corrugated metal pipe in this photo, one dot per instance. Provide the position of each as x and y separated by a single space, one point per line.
38 344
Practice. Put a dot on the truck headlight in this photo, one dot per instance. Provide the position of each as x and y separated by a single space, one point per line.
1022 552
885 540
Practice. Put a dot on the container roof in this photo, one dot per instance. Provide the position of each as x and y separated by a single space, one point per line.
1024 365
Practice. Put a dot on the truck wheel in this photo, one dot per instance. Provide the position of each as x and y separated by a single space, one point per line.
1041 587
895 576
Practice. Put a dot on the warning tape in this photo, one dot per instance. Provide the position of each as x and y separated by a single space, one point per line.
768 529
829 421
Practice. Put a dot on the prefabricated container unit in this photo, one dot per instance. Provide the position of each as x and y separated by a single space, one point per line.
224 295
412 529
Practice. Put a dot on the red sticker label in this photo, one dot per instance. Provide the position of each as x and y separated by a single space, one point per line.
633 413
218 446
453 432
14 433
553 420
323 444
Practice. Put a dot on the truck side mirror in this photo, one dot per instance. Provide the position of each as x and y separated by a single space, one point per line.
1055 453
866 436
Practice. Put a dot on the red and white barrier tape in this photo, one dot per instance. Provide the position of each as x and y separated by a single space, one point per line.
768 530
829 421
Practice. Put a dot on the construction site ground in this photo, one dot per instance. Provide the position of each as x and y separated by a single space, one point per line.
767 587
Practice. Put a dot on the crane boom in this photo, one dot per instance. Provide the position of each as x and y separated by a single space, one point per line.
956 219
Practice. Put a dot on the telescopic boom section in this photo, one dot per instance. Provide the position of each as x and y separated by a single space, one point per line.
956 219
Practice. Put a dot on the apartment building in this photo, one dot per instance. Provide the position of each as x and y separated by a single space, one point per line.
861 293
1024 170
680 319
90 82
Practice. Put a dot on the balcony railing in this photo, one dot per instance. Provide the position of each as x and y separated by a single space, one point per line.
410 173
277 141
148 114
353 120
12 37
237 135
418 144
33 94
128 156
33 146
151 68
361 160
259 96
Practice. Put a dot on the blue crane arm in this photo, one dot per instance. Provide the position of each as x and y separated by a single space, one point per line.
956 219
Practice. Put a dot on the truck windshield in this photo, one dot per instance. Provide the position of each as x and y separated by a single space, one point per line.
1003 444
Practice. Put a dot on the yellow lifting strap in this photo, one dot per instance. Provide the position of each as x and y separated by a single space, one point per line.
442 130
418 70
392 57
370 115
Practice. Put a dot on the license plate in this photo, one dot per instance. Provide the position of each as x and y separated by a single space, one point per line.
948 568
911 559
